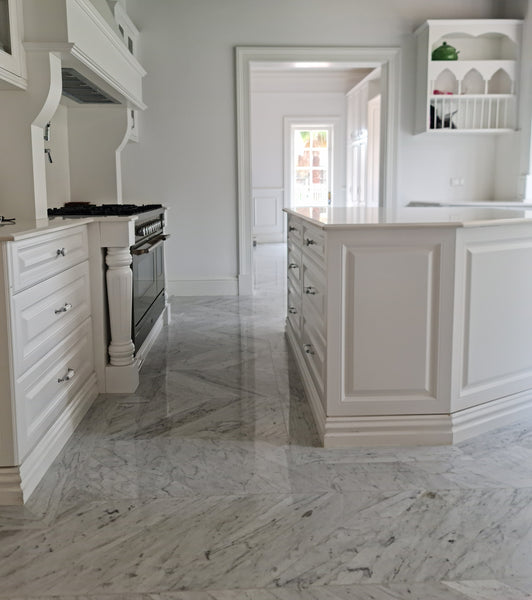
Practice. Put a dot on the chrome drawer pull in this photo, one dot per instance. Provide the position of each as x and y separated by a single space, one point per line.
310 290
310 242
67 377
292 310
67 306
61 252
308 348
293 266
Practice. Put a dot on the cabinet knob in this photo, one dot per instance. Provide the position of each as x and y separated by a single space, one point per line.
309 242
292 228
292 310
293 266
61 252
308 348
310 290
70 373
66 307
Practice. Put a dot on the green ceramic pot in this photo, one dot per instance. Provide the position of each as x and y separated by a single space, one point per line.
445 52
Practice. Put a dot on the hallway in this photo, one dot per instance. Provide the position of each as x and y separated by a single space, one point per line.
208 484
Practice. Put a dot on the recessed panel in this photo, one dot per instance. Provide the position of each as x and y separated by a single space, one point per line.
498 315
390 317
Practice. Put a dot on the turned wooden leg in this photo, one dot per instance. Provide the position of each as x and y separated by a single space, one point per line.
120 300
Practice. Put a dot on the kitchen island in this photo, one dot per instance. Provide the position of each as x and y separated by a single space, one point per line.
411 330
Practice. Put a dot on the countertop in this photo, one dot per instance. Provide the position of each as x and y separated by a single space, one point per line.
22 229
435 216
10 232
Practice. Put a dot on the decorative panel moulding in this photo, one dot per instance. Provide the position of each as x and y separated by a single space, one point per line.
381 313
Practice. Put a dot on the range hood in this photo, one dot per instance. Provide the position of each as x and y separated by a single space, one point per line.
97 67
81 90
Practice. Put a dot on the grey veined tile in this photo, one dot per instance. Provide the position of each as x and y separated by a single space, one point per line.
274 540
488 590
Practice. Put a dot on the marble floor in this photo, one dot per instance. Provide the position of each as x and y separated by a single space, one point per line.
208 484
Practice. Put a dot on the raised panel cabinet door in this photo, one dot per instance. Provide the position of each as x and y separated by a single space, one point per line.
35 259
45 313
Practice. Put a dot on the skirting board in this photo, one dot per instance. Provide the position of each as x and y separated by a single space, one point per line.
202 287
408 430
17 483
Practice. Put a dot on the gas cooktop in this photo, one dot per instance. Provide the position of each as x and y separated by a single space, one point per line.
102 210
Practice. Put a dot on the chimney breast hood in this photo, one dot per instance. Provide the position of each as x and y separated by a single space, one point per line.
76 31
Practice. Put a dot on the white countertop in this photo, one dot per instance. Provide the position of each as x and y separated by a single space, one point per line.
28 228
436 216
22 229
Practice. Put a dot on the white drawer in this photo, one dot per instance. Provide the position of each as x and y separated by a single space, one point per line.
294 266
45 313
313 346
40 395
295 231
38 258
293 310
313 244
313 293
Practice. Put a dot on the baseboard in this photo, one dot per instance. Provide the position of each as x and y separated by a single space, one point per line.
17 483
227 286
497 413
407 430
10 487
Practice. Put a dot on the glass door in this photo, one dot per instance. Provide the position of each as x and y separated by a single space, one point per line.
311 176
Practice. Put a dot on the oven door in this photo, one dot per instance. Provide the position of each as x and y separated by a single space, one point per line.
148 286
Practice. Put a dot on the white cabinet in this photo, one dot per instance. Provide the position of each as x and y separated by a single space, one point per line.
476 92
47 351
409 334
12 71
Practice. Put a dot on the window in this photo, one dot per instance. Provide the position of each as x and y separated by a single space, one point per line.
311 170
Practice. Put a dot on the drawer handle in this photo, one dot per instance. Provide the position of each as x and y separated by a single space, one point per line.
310 290
292 228
293 266
310 242
292 310
61 252
308 348
65 308
67 377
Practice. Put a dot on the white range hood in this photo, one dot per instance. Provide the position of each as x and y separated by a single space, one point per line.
77 32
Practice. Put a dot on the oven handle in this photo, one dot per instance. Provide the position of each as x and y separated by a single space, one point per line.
151 246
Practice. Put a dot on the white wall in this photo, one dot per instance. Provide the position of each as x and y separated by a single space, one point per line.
273 98
187 154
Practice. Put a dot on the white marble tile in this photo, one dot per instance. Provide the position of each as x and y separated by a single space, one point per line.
488 590
207 484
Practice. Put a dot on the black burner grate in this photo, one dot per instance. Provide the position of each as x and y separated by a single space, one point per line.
102 210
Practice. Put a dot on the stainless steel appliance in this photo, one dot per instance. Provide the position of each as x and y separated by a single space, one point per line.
147 258
148 274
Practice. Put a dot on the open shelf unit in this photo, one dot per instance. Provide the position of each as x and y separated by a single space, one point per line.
477 92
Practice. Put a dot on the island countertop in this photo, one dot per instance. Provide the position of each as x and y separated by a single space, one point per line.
350 217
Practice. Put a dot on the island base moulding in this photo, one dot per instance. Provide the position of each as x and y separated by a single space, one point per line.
410 333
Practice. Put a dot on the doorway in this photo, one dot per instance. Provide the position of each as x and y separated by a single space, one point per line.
361 58
309 161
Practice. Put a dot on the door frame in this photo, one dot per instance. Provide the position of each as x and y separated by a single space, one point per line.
386 58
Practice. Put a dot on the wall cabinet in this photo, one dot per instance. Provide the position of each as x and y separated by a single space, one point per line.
47 352
477 92
12 66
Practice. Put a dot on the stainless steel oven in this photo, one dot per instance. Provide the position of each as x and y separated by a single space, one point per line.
148 275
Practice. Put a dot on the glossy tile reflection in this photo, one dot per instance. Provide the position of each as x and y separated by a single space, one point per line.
208 483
